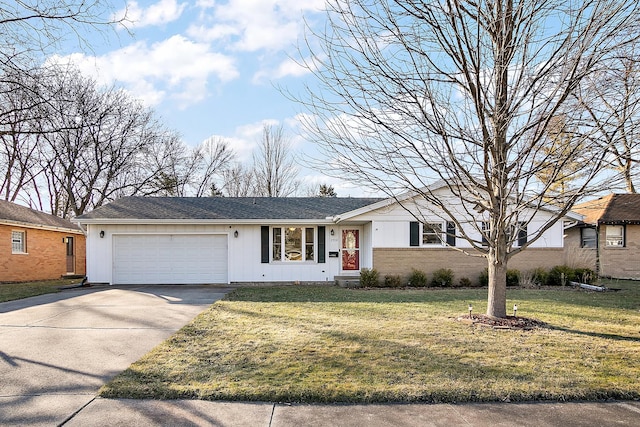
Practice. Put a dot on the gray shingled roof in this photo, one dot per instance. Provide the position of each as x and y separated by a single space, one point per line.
14 213
226 208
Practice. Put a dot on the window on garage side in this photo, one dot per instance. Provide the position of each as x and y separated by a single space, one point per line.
18 242
293 244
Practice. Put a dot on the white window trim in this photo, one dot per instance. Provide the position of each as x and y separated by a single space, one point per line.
443 237
283 259
22 241
619 239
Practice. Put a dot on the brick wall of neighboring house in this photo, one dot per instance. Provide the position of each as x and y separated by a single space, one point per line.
401 261
45 257
576 256
621 262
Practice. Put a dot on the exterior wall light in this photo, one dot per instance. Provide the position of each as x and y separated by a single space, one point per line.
101 234
235 234
333 232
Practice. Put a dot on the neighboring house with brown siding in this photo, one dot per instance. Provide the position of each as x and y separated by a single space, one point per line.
138 240
38 246
608 238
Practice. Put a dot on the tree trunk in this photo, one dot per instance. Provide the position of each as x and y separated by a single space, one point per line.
497 298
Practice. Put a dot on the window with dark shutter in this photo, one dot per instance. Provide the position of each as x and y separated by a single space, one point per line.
522 233
321 244
414 233
264 244
451 233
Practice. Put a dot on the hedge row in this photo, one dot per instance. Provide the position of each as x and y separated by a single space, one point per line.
559 275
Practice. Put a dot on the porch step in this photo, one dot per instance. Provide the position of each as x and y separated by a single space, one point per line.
347 281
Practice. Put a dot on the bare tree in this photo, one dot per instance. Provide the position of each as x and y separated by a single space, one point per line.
212 158
613 104
30 28
95 143
464 93
238 181
18 142
274 169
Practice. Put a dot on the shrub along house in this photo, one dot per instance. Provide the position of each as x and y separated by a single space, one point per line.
236 240
38 246
608 238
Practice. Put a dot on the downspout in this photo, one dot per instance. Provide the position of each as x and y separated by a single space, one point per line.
598 249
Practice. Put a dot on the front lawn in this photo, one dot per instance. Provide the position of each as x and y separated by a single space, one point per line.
14 291
329 344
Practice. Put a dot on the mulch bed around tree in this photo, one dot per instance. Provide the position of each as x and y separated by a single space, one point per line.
510 322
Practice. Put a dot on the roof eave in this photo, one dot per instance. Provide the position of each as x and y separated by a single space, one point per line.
224 221
23 224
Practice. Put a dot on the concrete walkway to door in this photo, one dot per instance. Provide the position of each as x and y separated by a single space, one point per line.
57 350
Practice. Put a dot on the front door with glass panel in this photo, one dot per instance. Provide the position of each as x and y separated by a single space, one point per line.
350 249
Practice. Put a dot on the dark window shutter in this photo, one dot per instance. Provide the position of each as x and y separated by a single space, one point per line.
414 233
451 233
624 235
522 233
264 243
321 245
485 231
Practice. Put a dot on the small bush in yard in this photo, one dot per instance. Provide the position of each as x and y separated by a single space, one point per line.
484 277
465 282
513 277
392 281
418 279
560 275
442 277
585 275
540 276
369 278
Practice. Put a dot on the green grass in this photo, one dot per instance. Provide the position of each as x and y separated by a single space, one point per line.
328 344
14 291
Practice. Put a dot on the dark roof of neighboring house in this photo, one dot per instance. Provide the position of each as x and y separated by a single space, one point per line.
611 209
22 215
226 208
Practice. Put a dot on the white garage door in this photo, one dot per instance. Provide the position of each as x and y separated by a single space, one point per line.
169 259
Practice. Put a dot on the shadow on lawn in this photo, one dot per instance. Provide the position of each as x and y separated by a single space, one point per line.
595 334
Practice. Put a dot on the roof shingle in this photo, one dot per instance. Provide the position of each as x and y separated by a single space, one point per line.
24 215
611 209
226 208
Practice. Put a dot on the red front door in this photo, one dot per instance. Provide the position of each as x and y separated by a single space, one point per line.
350 250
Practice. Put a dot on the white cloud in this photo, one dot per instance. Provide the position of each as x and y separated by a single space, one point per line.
176 68
252 25
287 68
160 13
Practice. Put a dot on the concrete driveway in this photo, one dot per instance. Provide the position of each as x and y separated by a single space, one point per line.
57 350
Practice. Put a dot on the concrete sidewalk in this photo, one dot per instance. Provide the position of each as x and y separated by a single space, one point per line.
106 412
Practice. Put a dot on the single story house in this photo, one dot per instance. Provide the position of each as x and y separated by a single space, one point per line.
38 246
137 240
607 240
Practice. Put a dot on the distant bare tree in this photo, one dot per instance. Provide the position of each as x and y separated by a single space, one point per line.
611 99
274 169
238 181
211 159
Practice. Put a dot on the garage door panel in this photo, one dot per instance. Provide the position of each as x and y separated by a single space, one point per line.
170 258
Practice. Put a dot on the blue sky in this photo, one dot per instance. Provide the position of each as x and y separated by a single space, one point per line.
211 68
